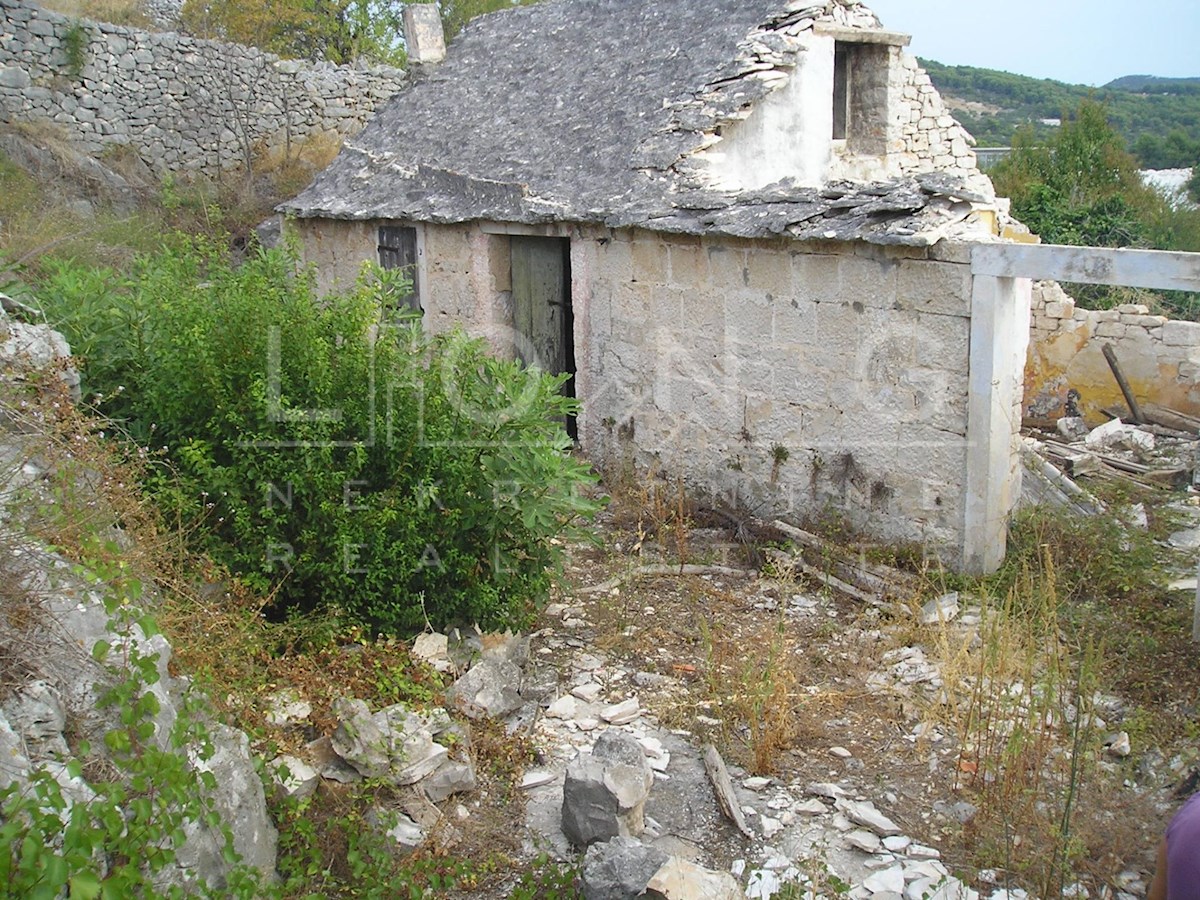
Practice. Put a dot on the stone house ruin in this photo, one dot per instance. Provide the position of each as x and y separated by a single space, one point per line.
743 227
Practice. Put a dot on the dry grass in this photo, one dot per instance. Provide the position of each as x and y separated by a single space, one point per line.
131 13
41 216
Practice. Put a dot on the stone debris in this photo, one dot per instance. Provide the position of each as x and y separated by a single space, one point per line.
866 841
619 869
287 708
941 609
433 649
621 713
868 816
491 688
1118 744
293 777
1117 435
393 744
537 778
679 879
604 795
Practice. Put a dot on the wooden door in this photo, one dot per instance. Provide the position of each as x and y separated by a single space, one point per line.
541 290
542 302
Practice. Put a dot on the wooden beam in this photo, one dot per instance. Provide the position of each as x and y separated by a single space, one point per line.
1156 269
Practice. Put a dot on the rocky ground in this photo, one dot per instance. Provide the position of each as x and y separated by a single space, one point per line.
858 770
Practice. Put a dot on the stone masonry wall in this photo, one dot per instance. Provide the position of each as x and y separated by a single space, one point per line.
933 139
178 102
785 378
1159 356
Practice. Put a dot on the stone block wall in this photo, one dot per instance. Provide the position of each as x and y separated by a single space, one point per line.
1160 357
178 102
787 379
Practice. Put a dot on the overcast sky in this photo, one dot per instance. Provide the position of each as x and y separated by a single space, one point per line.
1077 41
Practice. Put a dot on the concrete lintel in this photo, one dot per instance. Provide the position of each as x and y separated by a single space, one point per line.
999 339
555 229
862 35
1157 269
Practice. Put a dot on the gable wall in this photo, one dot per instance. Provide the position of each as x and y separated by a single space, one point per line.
900 126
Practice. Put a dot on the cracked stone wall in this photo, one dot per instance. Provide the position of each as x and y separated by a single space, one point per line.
932 138
178 102
1159 356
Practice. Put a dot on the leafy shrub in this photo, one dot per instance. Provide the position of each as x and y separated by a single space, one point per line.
337 458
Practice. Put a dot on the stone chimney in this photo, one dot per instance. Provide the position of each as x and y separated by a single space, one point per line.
423 34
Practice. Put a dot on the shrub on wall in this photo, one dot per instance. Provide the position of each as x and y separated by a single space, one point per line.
335 457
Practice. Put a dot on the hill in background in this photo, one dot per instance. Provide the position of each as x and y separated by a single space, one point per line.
1158 117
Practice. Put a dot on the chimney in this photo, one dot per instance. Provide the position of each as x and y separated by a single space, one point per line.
423 34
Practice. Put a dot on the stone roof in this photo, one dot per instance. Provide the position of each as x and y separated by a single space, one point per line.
590 110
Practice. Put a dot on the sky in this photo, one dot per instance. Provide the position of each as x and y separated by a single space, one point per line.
1076 41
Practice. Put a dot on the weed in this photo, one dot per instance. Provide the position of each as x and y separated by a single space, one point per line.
74 43
548 879
1021 701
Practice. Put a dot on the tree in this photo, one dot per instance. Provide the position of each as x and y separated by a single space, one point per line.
340 31
1080 186
457 13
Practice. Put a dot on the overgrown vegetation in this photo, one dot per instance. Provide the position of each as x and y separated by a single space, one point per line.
1155 116
60 212
1081 186
333 457
108 820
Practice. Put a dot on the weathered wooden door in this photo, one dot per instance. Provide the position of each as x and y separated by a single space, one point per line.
541 301
541 290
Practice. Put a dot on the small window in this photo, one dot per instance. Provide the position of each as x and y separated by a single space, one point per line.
860 96
398 250
841 90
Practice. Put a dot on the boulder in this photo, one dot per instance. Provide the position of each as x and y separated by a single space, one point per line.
451 778
619 869
605 791
238 798
394 744
36 713
37 347
491 688
293 777
679 879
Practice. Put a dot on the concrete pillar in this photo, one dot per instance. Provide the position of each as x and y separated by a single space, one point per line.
423 35
999 339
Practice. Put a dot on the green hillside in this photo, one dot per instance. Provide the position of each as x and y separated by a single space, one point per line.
1158 117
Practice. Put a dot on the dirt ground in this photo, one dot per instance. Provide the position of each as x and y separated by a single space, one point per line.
797 682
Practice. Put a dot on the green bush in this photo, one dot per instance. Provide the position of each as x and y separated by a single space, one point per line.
339 459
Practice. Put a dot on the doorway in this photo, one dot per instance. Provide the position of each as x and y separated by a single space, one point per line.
542 315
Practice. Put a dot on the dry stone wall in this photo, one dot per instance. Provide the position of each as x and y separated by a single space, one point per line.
178 102
1159 356
933 139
